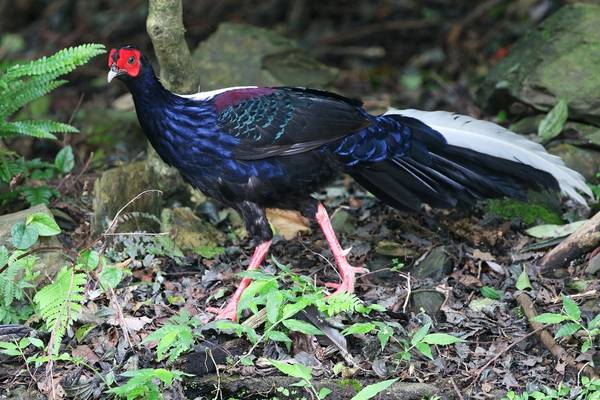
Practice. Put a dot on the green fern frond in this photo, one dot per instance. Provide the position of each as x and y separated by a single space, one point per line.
10 166
15 278
20 84
174 338
61 63
25 92
39 128
59 303
340 302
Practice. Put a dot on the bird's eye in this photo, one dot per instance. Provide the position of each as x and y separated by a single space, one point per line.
130 60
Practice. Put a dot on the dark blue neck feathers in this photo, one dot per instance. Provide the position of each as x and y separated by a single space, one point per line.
175 125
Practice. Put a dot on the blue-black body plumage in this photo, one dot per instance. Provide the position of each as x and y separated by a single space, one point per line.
253 148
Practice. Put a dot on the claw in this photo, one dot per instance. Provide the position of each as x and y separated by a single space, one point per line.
229 312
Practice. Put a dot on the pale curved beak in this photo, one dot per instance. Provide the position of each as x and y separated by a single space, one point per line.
114 72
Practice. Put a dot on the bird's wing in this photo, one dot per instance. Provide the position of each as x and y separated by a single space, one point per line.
285 121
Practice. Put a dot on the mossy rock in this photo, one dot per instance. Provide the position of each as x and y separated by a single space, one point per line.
585 161
557 60
188 231
530 213
115 188
239 54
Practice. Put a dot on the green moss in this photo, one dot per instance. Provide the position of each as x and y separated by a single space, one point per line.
529 213
354 383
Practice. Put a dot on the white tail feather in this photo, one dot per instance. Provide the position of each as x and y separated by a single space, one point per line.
488 138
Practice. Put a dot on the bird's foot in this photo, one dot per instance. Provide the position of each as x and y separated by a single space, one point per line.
229 312
348 274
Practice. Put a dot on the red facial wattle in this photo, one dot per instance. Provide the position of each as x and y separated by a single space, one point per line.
125 60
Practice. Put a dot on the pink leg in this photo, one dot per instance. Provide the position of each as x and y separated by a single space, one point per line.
230 311
347 272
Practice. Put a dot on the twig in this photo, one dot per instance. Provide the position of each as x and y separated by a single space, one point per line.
219 392
547 340
408 293
113 223
456 389
497 356
120 316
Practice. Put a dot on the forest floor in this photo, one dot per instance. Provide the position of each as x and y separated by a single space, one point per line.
470 274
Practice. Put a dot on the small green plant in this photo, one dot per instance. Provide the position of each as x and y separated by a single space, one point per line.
146 383
589 390
397 265
18 348
282 304
175 337
490 293
372 390
571 323
303 373
59 303
422 340
17 268
21 84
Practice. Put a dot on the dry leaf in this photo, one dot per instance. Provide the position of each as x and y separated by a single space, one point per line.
287 223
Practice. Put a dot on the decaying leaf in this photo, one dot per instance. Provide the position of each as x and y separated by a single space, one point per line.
287 223
549 231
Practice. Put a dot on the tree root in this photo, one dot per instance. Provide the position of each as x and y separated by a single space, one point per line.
548 341
583 240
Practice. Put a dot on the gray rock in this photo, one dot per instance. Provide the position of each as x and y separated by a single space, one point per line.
188 231
115 188
50 262
594 265
558 59
436 265
583 160
343 222
429 301
238 54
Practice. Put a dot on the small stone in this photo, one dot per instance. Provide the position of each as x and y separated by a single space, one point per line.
436 265
429 301
343 222
594 265
393 249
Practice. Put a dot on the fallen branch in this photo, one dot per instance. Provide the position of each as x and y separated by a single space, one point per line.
583 240
262 385
547 340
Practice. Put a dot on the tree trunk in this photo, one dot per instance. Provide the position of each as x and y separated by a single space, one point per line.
165 28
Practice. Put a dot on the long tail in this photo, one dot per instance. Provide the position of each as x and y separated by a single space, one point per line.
455 160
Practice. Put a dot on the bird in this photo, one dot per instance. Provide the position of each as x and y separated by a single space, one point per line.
253 148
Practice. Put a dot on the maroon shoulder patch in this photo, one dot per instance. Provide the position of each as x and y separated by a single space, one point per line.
235 96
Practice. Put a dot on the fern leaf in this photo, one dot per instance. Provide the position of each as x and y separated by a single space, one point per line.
24 93
40 129
59 303
62 62
9 166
